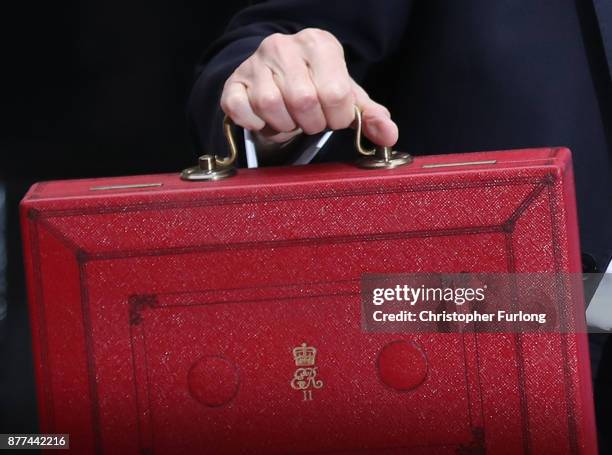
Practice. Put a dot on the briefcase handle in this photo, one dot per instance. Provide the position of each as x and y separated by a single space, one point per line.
211 167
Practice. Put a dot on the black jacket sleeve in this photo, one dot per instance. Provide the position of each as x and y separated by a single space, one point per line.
369 30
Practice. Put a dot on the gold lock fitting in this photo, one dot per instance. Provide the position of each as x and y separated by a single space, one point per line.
377 157
211 167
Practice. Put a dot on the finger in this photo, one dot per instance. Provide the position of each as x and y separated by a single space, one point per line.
379 129
235 103
377 124
272 136
332 81
300 95
267 102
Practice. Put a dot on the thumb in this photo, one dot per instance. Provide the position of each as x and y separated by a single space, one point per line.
376 119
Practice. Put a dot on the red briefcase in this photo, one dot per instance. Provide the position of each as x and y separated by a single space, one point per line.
172 316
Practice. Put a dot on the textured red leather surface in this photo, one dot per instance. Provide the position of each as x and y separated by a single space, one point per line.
170 318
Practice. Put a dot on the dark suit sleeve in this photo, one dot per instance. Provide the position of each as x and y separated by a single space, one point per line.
369 30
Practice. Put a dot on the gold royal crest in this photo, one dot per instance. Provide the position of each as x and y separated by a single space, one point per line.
305 376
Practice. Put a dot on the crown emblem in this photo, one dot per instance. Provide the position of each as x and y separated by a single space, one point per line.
304 355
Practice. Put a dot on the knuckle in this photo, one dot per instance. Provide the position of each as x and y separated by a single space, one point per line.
303 100
230 104
267 101
316 37
378 110
272 43
335 93
341 121
310 36
311 33
245 69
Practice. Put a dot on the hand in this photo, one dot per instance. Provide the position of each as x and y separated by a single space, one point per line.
300 83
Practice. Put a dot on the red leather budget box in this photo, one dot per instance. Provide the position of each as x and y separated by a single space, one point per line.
183 317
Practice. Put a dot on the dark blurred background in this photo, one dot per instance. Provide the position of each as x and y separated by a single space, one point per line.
88 89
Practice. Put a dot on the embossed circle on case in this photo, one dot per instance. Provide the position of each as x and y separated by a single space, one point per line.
402 365
213 381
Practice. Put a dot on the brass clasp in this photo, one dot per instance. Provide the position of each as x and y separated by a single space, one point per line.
378 157
211 167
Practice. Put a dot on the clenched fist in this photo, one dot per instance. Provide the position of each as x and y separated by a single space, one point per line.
300 83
